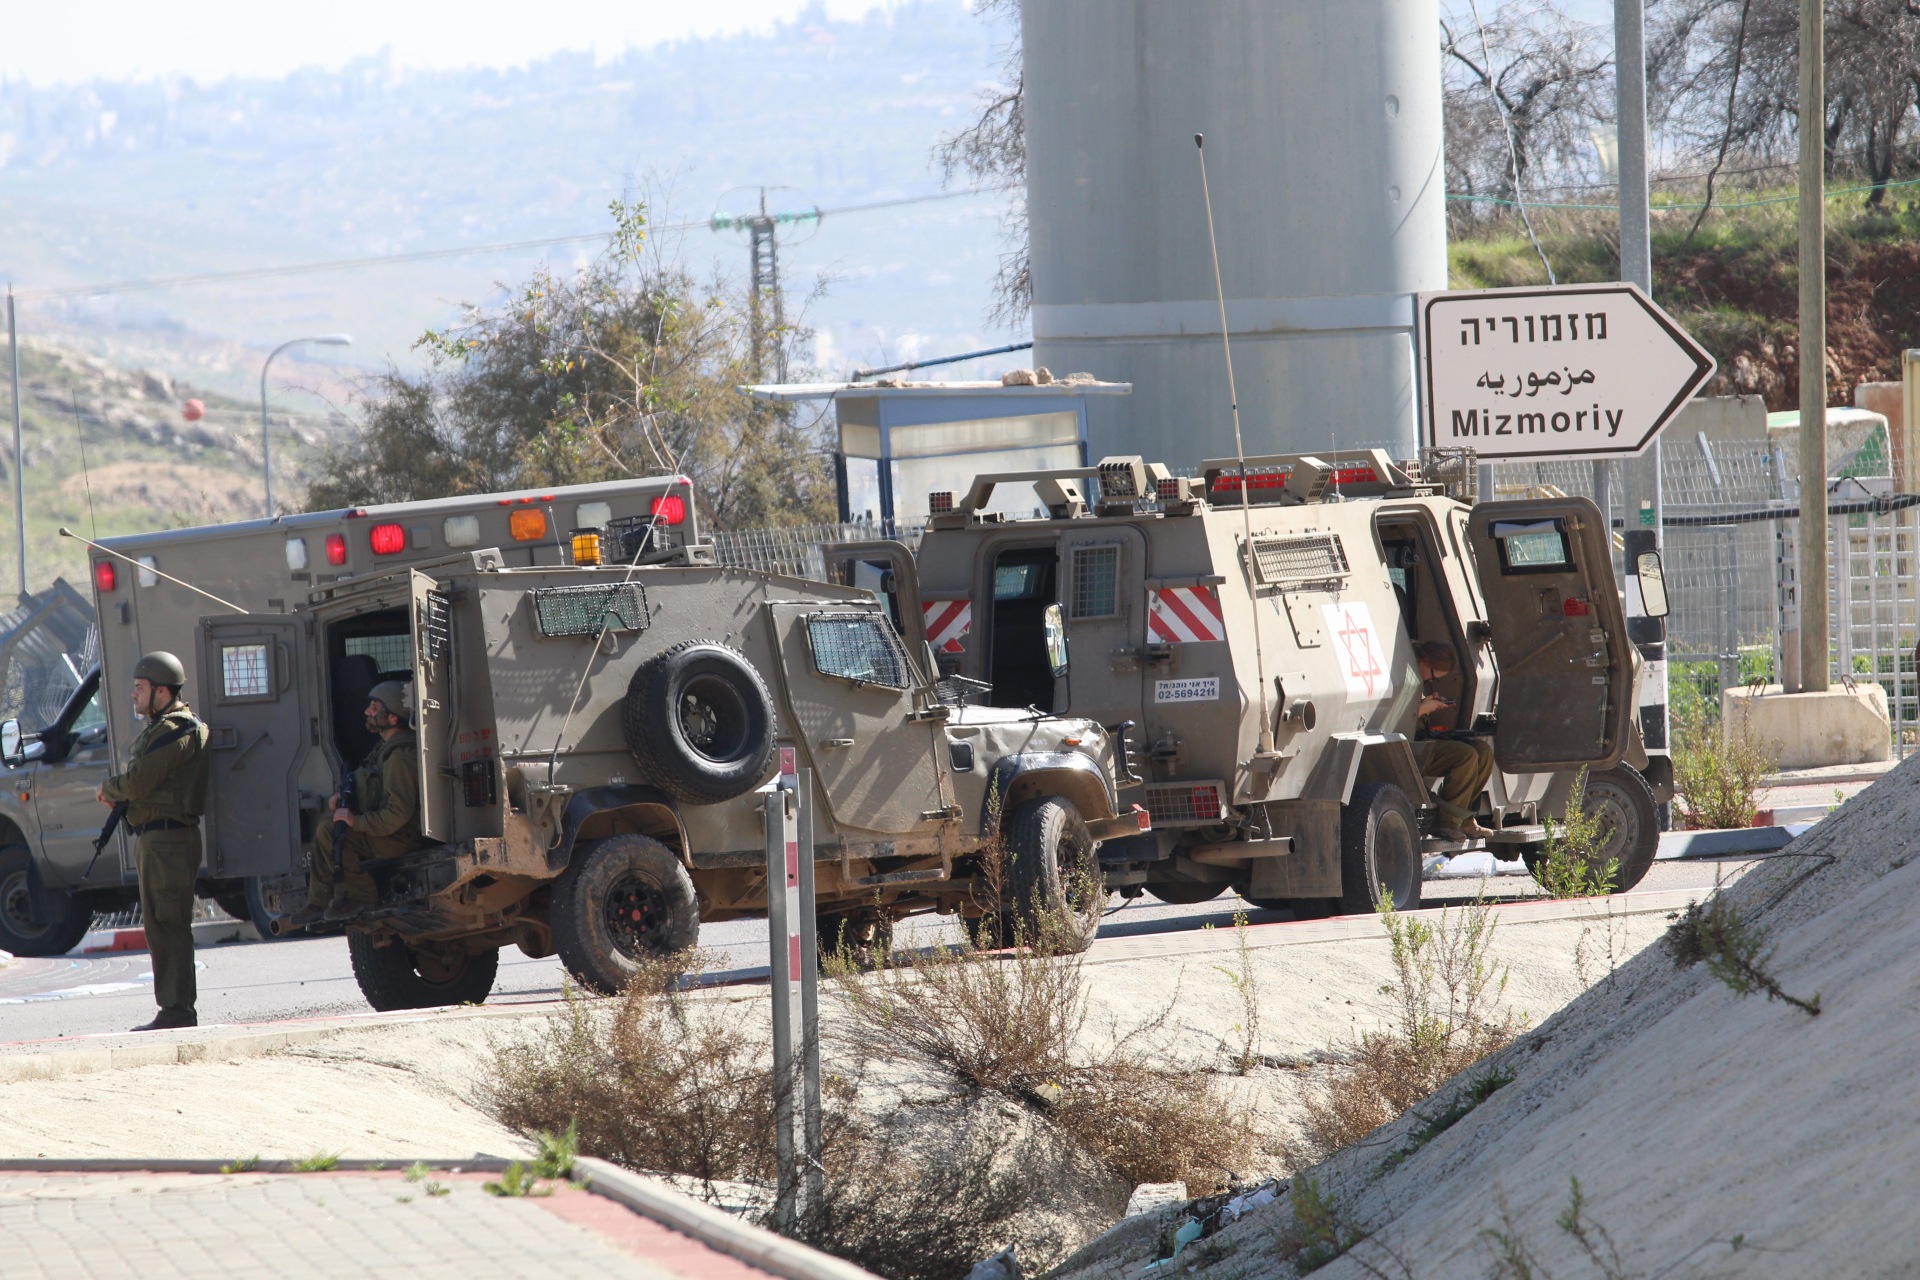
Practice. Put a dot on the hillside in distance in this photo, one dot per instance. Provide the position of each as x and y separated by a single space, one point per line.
133 181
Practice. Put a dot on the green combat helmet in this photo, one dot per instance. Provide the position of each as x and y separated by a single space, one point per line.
392 695
160 667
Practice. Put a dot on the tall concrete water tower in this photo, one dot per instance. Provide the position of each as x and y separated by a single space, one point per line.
1322 121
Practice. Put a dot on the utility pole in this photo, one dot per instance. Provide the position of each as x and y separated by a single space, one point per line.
766 309
1641 497
19 457
1811 587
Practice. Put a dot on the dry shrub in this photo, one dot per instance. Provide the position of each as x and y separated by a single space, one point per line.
1010 1024
1445 983
657 1082
906 1212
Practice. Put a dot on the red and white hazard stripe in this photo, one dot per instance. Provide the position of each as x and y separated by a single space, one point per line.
1183 614
947 624
790 782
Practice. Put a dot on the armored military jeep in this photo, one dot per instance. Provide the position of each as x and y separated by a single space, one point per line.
1191 615
590 741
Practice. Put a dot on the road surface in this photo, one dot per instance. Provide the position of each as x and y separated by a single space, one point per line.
311 977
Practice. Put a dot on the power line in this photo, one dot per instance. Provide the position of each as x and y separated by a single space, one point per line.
433 255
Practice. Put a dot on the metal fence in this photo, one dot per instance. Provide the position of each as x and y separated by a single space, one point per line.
796 551
47 645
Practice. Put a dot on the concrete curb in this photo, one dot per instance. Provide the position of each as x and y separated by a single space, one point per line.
114 1164
1728 842
753 1245
206 933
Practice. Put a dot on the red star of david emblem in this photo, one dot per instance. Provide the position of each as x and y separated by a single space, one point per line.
1356 640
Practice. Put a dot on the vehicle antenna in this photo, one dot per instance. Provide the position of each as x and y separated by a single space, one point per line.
147 568
86 475
1265 742
606 620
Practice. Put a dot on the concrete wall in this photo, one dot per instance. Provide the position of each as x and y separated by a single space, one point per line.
1324 150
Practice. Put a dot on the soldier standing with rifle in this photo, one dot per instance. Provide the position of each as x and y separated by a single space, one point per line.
376 814
161 796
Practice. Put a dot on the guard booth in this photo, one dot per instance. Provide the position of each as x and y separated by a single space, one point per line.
898 442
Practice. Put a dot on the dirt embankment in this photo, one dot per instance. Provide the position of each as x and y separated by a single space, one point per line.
1744 307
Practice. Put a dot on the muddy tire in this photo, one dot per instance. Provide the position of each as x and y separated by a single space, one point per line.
700 723
1053 874
1379 850
1185 893
623 900
19 933
396 976
1620 797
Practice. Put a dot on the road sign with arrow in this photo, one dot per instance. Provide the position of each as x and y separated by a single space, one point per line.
1571 371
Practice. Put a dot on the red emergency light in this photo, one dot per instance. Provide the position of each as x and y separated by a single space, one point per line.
387 539
669 508
104 578
336 549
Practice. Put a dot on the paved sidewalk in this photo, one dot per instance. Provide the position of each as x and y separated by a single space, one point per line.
91 1224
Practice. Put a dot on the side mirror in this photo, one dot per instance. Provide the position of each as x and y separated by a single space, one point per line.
1653 583
1056 625
10 752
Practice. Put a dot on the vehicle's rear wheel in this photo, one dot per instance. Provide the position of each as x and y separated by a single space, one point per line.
625 899
1379 850
1185 893
1621 799
247 901
397 976
699 721
59 933
1054 885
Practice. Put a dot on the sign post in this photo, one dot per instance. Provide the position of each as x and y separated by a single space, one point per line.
794 952
1568 371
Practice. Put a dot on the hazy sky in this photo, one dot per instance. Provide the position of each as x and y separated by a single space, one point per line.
215 39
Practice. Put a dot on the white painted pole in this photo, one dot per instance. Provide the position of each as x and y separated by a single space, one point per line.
19 455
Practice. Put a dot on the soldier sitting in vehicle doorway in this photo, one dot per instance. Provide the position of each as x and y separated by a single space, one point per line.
383 820
1463 764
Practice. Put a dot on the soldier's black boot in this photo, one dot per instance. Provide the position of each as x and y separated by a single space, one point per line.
168 1020
340 906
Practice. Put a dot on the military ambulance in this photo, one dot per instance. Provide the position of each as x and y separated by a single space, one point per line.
48 815
1193 617
591 742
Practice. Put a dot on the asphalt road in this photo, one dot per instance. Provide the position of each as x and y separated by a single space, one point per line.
311 977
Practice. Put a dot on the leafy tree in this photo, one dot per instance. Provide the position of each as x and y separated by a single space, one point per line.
629 367
993 150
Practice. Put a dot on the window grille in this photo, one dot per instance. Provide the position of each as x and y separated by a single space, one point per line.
1299 560
244 672
582 611
1096 582
858 647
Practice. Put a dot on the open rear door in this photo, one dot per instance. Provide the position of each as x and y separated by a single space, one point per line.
1559 634
255 694
432 615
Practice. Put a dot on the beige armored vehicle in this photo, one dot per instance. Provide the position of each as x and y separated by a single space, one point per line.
1172 625
59 755
591 740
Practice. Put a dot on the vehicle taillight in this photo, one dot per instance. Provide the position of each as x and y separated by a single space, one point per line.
527 524
336 548
104 578
669 509
387 539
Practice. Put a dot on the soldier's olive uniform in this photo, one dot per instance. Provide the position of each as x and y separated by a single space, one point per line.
386 820
1462 765
165 790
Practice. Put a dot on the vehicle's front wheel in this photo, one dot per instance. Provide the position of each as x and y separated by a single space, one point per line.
1053 875
59 933
1620 799
397 976
1379 850
624 899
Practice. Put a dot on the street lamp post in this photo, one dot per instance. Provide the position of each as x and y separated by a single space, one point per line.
266 440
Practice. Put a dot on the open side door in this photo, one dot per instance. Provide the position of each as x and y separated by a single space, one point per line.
432 623
1559 634
256 697
850 689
